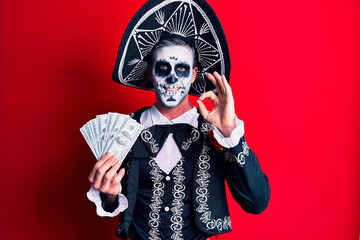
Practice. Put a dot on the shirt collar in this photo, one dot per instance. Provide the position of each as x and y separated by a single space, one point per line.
189 117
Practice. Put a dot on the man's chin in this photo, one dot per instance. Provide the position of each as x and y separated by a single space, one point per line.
171 102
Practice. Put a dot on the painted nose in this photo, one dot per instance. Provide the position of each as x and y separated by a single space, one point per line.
171 79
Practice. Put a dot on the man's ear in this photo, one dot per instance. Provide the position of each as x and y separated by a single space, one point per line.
195 70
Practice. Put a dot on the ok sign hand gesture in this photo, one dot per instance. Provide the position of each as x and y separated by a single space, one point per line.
222 116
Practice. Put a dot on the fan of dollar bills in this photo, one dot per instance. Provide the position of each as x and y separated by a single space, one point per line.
113 132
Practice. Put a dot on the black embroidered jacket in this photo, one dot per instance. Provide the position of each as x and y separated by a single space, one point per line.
197 184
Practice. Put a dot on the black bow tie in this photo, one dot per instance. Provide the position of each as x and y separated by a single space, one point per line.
187 138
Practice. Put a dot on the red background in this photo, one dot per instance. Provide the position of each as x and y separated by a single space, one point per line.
295 76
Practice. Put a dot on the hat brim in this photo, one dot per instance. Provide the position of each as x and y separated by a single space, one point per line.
190 19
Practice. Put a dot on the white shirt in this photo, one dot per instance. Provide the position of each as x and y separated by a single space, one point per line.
170 150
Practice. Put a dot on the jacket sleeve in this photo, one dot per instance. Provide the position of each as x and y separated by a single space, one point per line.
247 183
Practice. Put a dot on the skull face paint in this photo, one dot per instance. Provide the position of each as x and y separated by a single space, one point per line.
172 73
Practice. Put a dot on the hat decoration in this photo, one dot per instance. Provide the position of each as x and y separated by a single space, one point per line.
193 21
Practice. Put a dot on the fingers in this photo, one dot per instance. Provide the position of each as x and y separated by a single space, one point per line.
102 170
203 110
217 80
209 94
119 176
109 176
212 79
115 188
220 83
104 174
226 86
97 165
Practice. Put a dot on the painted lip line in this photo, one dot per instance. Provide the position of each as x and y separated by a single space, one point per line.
172 89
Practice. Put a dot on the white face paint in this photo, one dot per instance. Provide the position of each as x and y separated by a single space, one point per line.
172 74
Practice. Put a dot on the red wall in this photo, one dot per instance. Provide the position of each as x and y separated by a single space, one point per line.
295 76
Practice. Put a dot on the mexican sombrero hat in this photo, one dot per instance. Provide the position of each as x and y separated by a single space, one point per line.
191 20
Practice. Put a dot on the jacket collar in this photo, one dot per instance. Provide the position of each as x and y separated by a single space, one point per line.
187 138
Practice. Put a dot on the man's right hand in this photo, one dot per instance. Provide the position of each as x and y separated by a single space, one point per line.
104 176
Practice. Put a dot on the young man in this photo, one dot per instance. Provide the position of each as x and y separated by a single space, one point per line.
171 186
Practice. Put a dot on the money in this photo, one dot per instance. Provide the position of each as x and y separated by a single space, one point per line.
113 132
101 121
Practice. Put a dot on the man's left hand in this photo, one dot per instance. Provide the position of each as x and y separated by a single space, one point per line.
222 116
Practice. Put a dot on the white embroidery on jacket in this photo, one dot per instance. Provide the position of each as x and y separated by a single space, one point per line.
195 134
178 194
128 171
120 228
203 195
241 155
158 192
147 137
128 167
205 128
240 159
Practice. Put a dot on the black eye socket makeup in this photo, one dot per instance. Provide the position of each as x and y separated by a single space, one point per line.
182 69
162 68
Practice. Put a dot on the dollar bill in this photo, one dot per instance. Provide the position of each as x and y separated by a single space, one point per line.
94 130
111 123
113 132
124 138
101 121
88 140
91 137
118 122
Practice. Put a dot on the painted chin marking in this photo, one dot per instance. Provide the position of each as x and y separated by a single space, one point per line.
171 99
